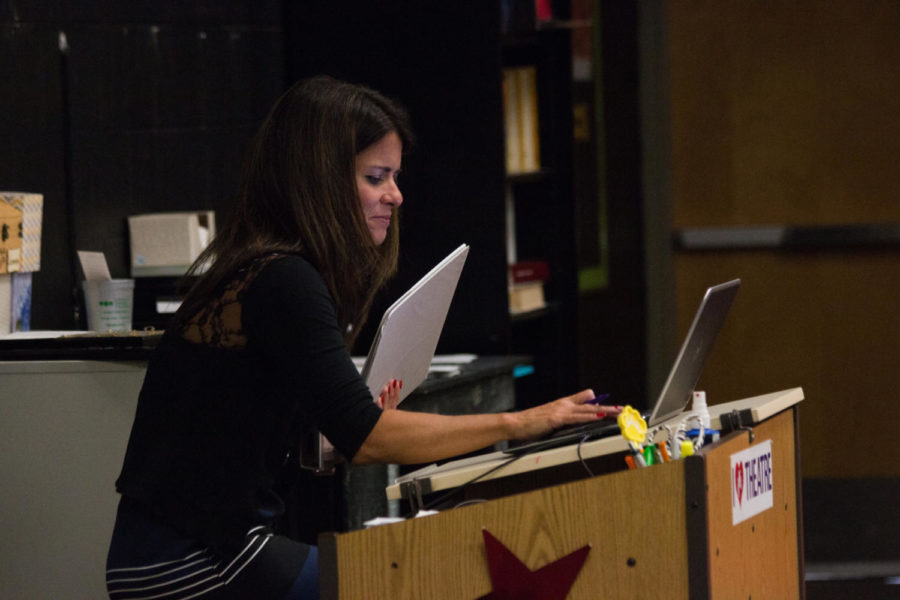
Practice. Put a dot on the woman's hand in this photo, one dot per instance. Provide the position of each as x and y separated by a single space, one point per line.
409 437
390 395
570 410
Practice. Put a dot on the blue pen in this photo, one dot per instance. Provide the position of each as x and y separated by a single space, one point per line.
598 399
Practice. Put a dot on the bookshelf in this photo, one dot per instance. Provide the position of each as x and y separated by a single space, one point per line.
446 65
539 207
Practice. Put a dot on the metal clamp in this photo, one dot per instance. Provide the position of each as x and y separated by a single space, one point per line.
413 491
738 421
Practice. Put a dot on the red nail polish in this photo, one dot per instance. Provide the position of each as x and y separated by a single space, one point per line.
401 384
600 415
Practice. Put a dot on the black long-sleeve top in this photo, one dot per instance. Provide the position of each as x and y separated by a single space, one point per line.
217 415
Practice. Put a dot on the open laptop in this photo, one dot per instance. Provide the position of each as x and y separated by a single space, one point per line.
403 346
683 376
407 336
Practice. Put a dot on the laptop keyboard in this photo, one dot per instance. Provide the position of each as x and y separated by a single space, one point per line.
571 434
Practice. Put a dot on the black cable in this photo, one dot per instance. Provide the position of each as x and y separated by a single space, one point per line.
463 486
512 458
578 450
470 502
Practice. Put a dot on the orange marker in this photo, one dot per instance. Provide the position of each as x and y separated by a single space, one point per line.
664 452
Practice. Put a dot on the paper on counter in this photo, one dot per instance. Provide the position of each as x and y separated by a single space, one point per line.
94 265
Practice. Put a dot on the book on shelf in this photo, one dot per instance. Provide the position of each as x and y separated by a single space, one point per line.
15 302
20 302
526 285
529 270
517 16
520 110
543 10
526 297
520 16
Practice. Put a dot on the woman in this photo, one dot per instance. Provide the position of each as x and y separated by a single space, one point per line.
258 354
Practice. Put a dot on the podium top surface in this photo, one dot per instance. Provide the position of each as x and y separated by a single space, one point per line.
491 466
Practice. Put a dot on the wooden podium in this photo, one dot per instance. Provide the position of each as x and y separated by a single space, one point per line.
663 531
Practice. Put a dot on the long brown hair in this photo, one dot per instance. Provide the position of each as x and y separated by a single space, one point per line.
298 195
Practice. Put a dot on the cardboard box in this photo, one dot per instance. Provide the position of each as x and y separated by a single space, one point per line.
31 206
10 238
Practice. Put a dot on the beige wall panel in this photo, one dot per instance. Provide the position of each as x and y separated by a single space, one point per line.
825 322
785 112
788 112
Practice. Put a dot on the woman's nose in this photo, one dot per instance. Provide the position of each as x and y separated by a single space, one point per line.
393 195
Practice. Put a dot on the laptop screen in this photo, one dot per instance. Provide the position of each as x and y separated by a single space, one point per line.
694 351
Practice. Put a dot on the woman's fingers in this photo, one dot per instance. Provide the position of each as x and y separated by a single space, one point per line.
582 397
610 411
390 394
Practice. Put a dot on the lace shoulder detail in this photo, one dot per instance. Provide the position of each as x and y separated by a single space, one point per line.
219 324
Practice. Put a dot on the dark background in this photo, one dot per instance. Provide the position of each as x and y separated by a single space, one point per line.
115 109
781 112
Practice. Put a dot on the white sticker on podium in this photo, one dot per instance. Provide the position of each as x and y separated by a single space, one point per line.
751 482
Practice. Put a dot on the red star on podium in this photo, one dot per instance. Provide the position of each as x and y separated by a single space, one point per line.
512 580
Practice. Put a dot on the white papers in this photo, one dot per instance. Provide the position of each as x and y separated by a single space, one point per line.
453 359
390 520
43 334
455 464
94 266
375 522
442 365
